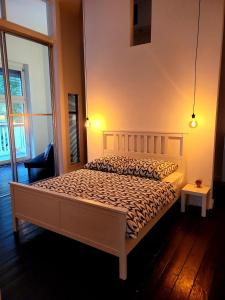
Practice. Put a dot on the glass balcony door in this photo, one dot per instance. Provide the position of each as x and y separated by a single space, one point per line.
26 116
32 117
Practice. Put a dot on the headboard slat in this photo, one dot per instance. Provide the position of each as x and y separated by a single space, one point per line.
126 143
145 150
144 144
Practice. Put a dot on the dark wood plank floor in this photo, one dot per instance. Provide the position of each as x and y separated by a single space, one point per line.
6 176
183 257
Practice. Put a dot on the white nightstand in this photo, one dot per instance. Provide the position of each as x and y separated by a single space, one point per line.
191 189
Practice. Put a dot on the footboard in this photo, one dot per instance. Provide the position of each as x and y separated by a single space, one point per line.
87 221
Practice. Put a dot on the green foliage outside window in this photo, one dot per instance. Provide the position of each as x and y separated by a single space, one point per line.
15 80
16 90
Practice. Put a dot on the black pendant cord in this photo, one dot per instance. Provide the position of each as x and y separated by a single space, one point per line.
196 55
85 67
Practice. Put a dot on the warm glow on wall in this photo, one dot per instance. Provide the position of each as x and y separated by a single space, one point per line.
96 122
2 117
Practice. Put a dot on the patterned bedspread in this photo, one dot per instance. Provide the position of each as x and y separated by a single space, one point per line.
142 197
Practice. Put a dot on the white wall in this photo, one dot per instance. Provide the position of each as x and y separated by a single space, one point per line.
150 87
35 56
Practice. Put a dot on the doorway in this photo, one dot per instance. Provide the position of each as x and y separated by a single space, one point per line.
26 112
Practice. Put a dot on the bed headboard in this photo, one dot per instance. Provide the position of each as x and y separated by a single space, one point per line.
168 146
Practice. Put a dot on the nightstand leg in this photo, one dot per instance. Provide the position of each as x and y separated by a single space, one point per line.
204 198
183 202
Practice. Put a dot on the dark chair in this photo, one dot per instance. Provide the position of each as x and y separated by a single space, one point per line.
44 160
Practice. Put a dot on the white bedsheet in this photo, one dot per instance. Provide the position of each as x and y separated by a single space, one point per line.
177 179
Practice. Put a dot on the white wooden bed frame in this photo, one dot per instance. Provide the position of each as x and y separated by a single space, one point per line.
83 220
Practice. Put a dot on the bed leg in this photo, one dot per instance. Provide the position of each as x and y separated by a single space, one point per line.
14 218
15 224
123 266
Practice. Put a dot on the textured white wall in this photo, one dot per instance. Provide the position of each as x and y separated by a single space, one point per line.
150 87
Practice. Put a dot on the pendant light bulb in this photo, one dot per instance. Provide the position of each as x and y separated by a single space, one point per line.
87 123
193 123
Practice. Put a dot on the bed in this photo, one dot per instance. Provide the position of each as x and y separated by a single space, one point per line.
78 215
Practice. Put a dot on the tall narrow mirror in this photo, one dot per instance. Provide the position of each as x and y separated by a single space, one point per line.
73 128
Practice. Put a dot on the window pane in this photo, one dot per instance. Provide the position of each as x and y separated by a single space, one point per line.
28 13
3 113
15 83
34 59
2 89
18 108
42 134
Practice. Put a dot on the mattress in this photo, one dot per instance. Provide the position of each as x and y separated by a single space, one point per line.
143 198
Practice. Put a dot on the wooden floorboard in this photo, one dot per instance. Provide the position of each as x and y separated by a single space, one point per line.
173 238
203 281
6 177
192 264
171 272
181 258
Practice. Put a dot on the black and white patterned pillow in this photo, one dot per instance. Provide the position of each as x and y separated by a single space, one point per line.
147 168
164 169
112 164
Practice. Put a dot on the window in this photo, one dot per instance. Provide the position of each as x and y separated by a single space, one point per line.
19 106
141 22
